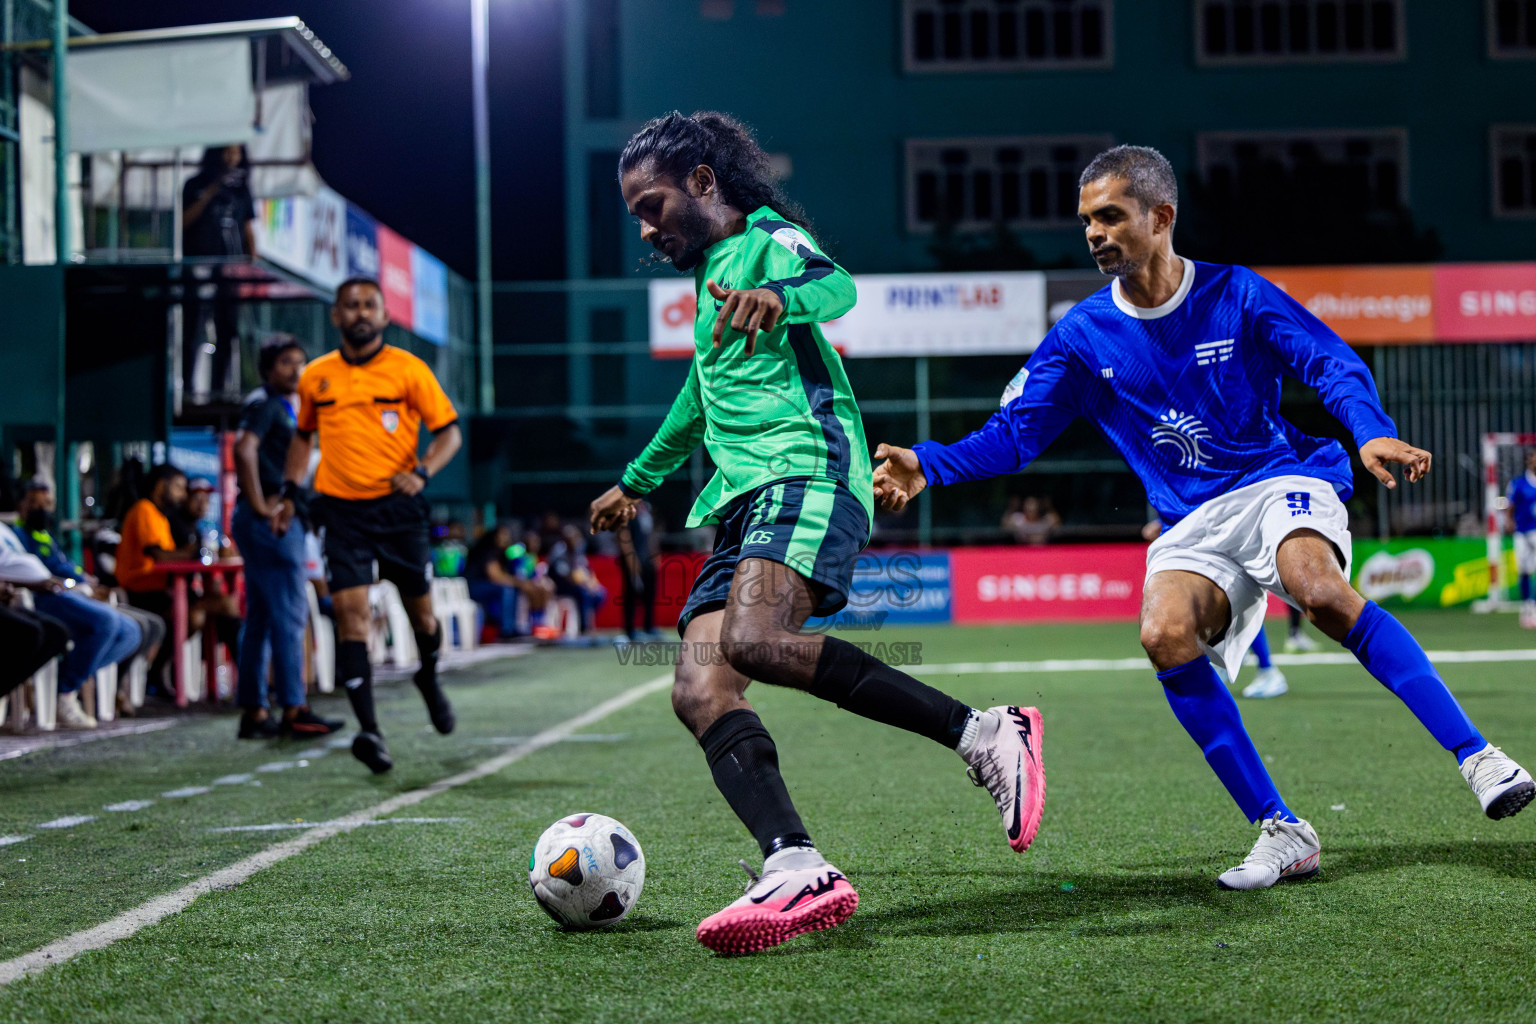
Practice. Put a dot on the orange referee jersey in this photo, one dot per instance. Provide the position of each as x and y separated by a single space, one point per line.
368 415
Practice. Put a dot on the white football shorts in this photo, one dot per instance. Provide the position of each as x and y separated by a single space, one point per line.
1232 540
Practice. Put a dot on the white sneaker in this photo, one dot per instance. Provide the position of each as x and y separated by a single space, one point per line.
1502 785
1300 643
1270 682
1285 851
1006 758
1528 615
71 714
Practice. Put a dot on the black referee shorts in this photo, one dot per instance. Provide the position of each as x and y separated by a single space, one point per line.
391 530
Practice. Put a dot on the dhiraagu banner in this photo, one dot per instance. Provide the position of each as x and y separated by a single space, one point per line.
1425 573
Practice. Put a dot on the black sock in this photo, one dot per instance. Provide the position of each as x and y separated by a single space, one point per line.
355 674
745 764
858 682
427 645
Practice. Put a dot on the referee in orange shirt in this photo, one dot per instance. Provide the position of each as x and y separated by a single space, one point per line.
368 401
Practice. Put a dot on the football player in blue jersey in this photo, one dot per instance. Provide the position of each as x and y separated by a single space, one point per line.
1179 364
1522 523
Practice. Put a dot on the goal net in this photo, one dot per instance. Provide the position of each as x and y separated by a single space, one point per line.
1503 460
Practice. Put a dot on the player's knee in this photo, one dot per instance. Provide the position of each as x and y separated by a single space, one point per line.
1329 603
1168 643
692 698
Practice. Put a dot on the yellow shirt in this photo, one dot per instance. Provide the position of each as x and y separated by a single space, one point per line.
369 415
145 526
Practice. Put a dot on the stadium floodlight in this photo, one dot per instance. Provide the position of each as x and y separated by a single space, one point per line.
480 31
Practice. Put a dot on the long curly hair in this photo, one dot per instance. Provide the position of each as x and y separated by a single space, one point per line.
676 143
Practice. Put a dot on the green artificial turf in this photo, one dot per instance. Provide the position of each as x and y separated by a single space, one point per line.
1424 909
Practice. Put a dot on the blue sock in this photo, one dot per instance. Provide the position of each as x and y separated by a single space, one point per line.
1525 587
1391 654
1260 649
1209 714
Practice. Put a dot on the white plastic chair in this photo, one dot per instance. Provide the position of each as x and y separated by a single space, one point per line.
45 692
105 685
401 642
138 681
192 666
458 613
324 632
570 617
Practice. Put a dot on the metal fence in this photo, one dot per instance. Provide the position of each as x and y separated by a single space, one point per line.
579 394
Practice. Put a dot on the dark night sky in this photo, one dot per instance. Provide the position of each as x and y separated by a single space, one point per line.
397 138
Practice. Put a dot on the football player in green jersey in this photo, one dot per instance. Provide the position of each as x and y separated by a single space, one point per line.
793 502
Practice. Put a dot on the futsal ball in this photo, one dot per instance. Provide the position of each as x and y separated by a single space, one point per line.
586 871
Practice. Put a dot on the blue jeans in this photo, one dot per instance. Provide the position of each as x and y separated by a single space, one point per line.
276 610
103 636
499 604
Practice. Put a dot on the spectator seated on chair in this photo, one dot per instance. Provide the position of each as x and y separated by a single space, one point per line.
147 541
500 574
573 576
28 639
102 635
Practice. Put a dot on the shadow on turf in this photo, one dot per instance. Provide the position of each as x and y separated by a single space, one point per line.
1119 904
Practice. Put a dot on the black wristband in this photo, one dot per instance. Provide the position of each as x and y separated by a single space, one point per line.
421 471
289 491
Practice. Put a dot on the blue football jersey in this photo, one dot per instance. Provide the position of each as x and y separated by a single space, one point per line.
1522 502
1188 393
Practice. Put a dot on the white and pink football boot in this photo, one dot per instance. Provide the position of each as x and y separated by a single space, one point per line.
798 892
1005 757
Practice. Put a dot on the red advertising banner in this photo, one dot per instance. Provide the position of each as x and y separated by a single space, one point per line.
395 276
1485 301
1364 304
1083 582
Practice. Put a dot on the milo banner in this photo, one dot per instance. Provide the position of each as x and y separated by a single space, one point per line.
1424 573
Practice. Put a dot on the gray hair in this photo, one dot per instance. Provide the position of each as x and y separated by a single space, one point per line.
1148 174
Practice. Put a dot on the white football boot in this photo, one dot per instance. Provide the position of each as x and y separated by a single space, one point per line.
1006 758
1299 643
1528 615
1270 682
1285 851
1502 785
71 715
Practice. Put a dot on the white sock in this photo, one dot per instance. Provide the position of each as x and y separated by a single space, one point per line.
970 734
794 858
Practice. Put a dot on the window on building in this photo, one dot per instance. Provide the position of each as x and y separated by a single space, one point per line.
601 66
607 217
1268 31
1363 171
1003 35
1514 170
1511 28
975 184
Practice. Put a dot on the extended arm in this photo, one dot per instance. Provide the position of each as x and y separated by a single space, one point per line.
1031 418
680 433
1319 358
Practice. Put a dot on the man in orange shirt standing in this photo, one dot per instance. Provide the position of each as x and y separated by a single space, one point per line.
368 401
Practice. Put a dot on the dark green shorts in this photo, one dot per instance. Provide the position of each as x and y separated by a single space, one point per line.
814 526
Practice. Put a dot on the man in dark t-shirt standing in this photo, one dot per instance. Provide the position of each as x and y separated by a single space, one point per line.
274 565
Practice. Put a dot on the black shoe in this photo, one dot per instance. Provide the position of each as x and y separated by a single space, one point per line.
258 729
438 707
306 723
439 710
369 749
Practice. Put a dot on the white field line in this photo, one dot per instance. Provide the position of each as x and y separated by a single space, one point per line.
129 922
965 668
282 826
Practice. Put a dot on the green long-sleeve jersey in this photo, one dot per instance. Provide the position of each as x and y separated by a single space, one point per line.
787 411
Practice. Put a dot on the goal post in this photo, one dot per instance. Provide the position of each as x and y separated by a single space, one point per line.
1502 462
